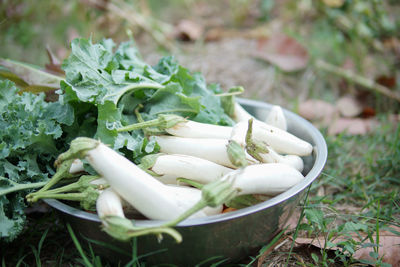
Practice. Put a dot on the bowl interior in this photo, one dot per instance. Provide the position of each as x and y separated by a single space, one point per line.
313 166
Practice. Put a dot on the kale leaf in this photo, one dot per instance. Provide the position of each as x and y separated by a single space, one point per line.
30 128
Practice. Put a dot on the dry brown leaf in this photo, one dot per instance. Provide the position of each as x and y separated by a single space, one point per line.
188 30
368 112
353 126
55 63
318 110
349 106
282 51
388 81
389 246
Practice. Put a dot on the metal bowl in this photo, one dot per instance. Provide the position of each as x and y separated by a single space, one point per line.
231 236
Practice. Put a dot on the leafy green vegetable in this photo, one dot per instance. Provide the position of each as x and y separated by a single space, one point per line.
114 84
30 127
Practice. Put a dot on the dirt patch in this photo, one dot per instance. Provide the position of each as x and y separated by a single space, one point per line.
228 62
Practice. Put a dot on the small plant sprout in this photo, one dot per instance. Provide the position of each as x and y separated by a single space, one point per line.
170 167
211 149
276 118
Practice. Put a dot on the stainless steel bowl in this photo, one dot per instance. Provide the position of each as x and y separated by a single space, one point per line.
232 236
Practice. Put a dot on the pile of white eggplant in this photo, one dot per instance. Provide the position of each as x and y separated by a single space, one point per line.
200 169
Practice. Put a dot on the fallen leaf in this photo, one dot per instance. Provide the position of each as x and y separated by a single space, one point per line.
188 30
352 126
55 63
282 51
389 245
349 106
318 110
368 112
31 75
388 81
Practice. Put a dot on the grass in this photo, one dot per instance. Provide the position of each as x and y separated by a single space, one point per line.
357 194
360 175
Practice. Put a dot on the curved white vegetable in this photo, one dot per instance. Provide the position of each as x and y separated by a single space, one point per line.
266 178
241 114
148 195
212 149
199 130
109 203
174 166
294 161
281 141
99 181
191 195
76 166
276 118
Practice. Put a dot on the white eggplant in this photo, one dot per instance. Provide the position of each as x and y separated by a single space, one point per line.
276 118
109 203
186 194
212 149
148 195
194 129
76 166
240 114
266 178
170 167
281 141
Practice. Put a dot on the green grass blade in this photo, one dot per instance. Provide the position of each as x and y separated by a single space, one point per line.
302 214
78 246
107 245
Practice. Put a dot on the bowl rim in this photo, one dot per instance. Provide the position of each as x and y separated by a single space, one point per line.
320 152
